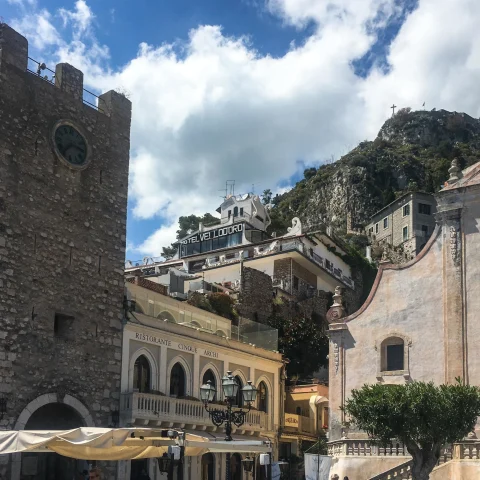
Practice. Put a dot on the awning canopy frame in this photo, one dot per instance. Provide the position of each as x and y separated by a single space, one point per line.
120 443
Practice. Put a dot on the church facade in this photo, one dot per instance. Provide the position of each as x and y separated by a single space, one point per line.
421 322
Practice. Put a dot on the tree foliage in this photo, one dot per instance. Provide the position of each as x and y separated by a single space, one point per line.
267 196
188 224
423 416
219 303
302 340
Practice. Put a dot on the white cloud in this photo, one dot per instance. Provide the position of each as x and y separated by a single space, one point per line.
81 17
37 27
213 108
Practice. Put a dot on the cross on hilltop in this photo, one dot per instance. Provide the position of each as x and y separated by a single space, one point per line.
393 107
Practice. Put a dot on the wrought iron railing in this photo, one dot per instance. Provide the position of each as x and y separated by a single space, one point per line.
40 69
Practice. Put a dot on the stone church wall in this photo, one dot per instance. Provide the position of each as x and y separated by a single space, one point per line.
62 242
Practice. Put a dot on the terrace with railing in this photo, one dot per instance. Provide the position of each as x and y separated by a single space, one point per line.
40 70
166 309
299 424
466 450
157 410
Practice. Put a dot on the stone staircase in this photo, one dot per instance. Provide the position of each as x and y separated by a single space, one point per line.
400 472
466 450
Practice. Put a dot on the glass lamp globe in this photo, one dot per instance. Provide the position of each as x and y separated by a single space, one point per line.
207 392
229 386
249 392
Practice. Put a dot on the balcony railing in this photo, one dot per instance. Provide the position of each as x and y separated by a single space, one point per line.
146 408
368 448
365 448
400 472
299 424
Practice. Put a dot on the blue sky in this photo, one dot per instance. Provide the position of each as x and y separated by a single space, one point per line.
254 90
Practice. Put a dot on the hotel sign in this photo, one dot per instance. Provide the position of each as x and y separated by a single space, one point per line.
143 337
211 234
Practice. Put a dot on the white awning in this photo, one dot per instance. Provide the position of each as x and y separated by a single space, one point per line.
117 444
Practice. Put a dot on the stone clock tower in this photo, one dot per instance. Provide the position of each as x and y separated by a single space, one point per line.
63 200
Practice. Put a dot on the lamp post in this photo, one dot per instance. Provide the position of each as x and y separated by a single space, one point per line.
229 416
174 457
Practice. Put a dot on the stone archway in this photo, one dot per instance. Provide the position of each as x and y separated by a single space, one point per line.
49 411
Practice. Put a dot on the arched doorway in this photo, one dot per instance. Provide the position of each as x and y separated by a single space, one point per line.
208 467
239 398
142 374
50 466
236 467
262 396
177 381
209 376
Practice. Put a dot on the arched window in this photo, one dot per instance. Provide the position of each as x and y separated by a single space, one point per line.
141 374
239 400
208 467
166 316
177 381
236 467
262 396
209 376
298 410
393 354
235 212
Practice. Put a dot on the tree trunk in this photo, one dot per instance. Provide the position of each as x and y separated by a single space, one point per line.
423 464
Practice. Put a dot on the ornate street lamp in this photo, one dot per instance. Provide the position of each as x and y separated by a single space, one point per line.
229 416
164 463
247 463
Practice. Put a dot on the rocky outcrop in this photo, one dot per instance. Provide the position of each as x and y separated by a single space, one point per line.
413 151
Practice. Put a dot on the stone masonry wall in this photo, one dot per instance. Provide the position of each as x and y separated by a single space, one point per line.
255 299
149 285
285 270
62 241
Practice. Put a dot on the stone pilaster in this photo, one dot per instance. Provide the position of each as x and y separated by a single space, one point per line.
336 378
453 308
336 365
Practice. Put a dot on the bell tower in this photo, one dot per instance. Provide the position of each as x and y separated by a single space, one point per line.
63 200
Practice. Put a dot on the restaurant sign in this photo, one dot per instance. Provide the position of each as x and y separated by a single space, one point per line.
143 337
211 234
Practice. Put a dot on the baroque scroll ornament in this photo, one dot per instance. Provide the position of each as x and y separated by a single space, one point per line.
454 244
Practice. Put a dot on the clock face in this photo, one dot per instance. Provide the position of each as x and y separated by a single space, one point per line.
71 145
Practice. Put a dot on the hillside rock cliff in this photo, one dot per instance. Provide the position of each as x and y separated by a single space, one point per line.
413 151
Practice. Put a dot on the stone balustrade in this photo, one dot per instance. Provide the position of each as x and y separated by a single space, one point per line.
400 472
365 448
467 450
156 410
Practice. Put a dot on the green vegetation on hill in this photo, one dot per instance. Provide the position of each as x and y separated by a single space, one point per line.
412 151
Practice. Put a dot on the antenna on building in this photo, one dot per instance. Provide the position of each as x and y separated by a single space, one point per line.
229 189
